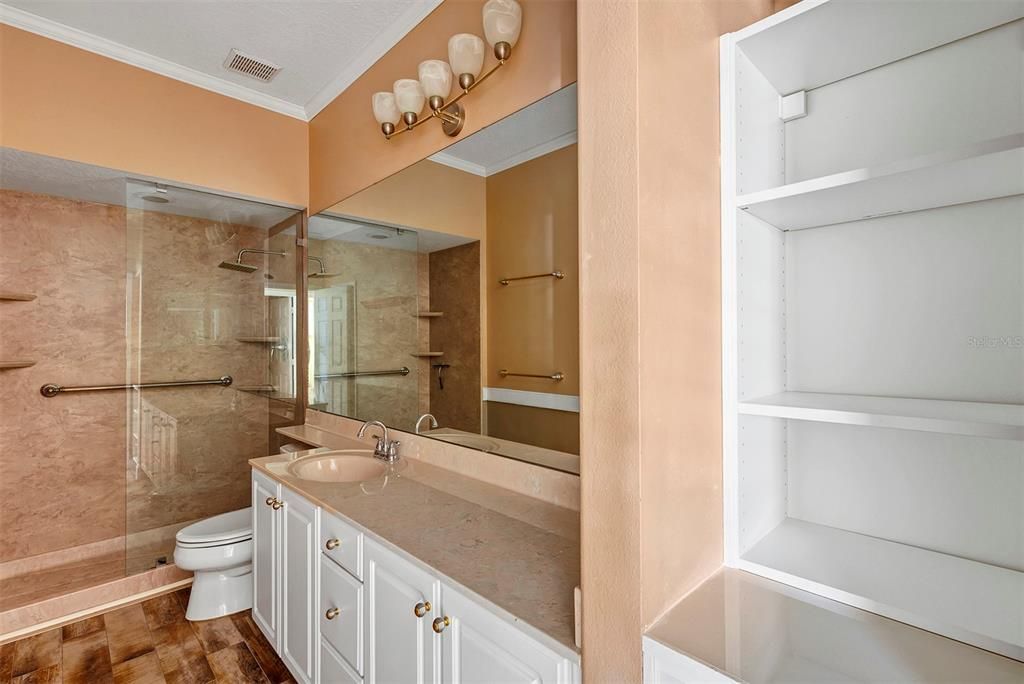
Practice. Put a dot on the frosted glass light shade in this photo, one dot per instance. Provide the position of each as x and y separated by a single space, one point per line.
385 109
466 54
503 19
409 95
436 78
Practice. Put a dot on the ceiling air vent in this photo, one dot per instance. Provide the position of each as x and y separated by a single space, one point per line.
260 69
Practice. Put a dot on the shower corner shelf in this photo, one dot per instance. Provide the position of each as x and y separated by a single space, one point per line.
427 355
10 365
430 314
258 339
16 296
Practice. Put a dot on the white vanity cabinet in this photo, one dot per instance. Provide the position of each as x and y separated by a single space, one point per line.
478 647
285 574
266 556
341 608
402 601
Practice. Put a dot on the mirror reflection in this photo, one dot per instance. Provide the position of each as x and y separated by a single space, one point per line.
444 299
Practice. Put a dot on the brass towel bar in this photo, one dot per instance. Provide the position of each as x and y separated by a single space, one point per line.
355 374
554 274
557 375
52 390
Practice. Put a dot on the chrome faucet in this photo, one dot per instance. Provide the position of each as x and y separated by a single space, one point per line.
433 421
386 449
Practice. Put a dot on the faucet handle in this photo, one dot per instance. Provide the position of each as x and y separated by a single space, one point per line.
392 450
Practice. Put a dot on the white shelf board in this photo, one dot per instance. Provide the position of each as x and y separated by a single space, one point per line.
970 601
979 171
999 421
817 42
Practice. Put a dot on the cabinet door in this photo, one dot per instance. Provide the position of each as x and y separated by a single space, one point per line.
662 665
265 553
299 639
400 647
482 648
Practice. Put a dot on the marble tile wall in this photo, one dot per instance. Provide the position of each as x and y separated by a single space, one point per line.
387 294
62 475
454 290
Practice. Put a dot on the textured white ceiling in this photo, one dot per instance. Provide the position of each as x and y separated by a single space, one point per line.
534 130
35 173
315 42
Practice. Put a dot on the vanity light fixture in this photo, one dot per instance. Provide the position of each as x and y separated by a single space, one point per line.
503 20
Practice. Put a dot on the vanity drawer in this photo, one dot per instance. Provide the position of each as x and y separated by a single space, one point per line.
334 669
342 543
341 596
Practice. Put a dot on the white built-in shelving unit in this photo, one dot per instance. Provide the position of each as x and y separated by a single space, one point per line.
873 308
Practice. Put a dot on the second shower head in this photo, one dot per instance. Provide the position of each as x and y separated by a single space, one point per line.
237 264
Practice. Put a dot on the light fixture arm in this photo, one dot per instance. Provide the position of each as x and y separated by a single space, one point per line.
451 113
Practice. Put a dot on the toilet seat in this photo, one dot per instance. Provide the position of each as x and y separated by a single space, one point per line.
220 530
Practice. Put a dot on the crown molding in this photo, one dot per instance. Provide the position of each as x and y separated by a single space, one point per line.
458 163
47 28
377 48
526 155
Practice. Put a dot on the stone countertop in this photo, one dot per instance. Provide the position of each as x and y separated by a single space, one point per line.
517 552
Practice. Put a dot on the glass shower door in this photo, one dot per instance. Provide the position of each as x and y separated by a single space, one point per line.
211 296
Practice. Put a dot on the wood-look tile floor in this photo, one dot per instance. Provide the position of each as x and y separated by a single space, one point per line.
149 642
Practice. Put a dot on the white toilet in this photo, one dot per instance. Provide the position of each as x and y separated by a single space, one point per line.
219 551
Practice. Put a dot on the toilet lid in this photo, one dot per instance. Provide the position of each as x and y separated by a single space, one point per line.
226 527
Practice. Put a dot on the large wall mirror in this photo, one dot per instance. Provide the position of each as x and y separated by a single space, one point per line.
444 299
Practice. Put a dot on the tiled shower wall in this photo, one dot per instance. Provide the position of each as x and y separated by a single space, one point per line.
96 484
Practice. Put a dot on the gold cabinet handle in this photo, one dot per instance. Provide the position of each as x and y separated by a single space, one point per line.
421 609
332 544
332 613
440 623
270 500
277 504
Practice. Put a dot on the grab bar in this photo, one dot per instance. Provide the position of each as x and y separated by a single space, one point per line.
557 375
355 374
553 274
52 390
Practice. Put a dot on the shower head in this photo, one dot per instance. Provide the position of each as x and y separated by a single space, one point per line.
322 273
237 264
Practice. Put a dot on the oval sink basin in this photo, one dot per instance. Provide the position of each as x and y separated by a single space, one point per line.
354 465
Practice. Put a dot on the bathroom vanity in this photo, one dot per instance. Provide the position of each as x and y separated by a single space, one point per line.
419 574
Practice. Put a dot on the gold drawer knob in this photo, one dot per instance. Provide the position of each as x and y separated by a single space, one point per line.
270 500
332 613
332 544
277 504
440 623
421 609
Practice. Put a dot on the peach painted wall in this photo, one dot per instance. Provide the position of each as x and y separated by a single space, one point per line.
533 227
649 314
347 152
65 102
426 195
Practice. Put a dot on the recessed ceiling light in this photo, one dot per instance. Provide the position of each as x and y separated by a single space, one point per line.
379 236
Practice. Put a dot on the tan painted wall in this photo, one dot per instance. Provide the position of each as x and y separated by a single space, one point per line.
533 227
347 151
425 195
64 102
649 314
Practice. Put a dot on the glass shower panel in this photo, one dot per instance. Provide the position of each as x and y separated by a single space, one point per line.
211 296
